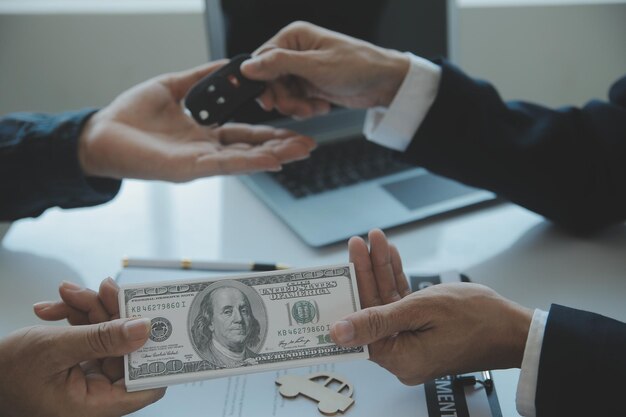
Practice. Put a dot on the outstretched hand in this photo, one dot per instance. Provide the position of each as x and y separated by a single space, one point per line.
144 133
80 305
77 370
441 330
309 68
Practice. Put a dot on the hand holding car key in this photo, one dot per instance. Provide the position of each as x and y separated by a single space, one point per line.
217 97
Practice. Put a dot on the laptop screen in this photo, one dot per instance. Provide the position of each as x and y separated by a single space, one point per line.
241 26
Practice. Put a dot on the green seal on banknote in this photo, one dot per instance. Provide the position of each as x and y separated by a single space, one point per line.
303 312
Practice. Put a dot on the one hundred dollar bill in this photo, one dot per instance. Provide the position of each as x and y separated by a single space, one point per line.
215 327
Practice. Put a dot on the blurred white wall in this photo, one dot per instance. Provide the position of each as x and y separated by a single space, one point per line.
64 61
554 54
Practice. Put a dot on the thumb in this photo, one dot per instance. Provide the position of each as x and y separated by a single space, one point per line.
276 63
372 324
109 339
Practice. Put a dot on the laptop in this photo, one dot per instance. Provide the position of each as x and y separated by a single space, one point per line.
349 185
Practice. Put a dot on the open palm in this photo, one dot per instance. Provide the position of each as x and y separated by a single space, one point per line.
144 133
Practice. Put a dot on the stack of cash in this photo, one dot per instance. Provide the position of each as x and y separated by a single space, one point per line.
212 328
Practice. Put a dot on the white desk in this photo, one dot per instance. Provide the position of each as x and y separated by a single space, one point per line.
503 246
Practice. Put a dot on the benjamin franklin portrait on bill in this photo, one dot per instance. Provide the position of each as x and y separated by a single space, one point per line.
224 329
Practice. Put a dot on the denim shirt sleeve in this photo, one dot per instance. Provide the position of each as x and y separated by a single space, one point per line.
39 165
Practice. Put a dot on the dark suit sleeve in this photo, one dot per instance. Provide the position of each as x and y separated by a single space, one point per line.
582 365
39 165
567 164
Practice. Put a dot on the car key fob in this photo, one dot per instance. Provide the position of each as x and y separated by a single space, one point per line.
216 97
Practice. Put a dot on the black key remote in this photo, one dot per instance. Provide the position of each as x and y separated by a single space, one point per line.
216 97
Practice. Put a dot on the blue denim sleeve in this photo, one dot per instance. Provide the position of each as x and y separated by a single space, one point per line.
39 165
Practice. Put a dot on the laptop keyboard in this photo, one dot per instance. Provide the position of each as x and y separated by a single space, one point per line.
338 164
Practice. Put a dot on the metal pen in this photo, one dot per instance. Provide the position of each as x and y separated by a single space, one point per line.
201 265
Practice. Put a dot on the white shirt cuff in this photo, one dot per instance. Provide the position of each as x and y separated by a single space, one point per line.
527 384
394 127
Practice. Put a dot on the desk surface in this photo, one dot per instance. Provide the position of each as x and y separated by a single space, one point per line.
503 246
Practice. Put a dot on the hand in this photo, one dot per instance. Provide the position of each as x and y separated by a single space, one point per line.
442 330
81 305
310 68
76 371
145 134
54 371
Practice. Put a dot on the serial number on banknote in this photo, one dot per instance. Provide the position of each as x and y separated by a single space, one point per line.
304 330
156 307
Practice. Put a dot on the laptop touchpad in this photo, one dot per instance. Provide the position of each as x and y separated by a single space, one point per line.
425 190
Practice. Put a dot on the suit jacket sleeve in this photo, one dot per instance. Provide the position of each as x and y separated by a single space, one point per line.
582 365
567 164
39 165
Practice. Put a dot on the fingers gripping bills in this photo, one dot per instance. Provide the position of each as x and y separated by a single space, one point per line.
202 329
